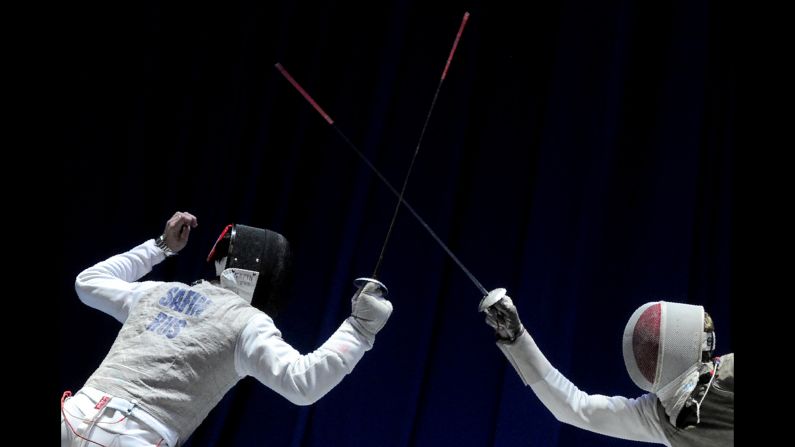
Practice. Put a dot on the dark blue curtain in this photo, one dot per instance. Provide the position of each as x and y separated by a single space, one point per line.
580 154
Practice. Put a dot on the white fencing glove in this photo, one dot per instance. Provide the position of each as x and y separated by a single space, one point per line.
504 318
369 308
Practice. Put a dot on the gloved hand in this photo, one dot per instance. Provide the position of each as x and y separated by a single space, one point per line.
369 308
504 318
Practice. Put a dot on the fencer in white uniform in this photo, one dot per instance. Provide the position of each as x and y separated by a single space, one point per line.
182 347
668 351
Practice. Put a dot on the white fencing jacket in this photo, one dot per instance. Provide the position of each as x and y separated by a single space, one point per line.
181 348
641 419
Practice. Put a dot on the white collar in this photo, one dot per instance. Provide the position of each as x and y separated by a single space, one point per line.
241 281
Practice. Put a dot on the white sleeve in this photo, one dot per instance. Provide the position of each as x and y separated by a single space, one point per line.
302 379
617 416
110 285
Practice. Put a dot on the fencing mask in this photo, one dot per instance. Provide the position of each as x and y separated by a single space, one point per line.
664 340
255 263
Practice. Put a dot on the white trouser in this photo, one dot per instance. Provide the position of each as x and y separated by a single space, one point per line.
111 425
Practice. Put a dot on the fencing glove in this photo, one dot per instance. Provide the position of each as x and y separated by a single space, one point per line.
503 317
369 308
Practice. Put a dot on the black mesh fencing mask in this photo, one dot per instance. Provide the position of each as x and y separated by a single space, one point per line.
263 251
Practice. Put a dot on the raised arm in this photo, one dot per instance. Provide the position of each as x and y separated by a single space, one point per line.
111 285
303 379
616 416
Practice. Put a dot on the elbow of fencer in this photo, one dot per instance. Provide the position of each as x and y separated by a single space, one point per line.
302 398
300 393
562 418
81 286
